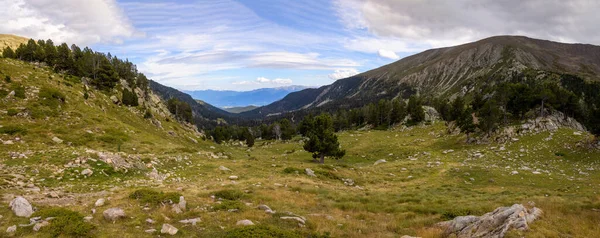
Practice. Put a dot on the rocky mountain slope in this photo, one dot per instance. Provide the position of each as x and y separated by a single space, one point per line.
445 71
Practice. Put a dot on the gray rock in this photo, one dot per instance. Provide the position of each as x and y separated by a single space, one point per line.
494 224
298 219
11 229
233 177
263 207
182 203
310 172
244 223
381 161
21 207
150 221
57 140
113 214
150 231
192 221
168 229
87 172
223 168
88 218
99 202
39 225
114 99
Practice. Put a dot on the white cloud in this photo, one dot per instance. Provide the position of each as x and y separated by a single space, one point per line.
72 21
265 81
343 73
445 23
388 54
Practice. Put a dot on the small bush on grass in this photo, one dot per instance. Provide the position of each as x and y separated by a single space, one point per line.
228 205
12 112
19 91
66 223
51 97
230 194
154 197
13 130
291 170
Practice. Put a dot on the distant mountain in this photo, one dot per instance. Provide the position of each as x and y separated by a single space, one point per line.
257 97
240 109
444 71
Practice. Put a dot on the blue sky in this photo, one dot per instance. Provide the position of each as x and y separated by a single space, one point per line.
249 44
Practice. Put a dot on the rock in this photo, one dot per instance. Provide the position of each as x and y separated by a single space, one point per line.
114 99
514 172
447 151
192 221
310 172
348 182
577 133
21 207
99 202
182 203
168 229
113 214
223 168
11 229
263 207
244 223
380 162
493 224
150 231
176 209
39 225
88 218
298 219
7 142
57 140
53 195
233 177
87 172
150 221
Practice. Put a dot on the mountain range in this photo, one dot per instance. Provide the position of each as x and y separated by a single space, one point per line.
444 71
257 97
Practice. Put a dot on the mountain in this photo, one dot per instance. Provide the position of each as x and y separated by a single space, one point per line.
240 109
11 41
257 97
444 71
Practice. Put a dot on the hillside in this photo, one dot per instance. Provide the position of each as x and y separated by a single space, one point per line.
240 109
257 97
445 71
11 41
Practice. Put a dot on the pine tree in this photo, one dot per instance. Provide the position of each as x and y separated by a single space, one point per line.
398 111
129 98
107 77
466 124
287 130
489 116
415 109
322 140
8 53
457 109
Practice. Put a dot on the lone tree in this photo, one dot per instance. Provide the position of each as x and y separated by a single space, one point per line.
321 138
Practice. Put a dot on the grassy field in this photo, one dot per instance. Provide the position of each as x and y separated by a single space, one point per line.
430 176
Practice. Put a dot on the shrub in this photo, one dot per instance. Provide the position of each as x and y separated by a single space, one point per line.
66 223
561 154
12 112
13 130
3 93
291 170
129 98
7 79
229 194
154 197
228 204
261 231
19 91
51 97
327 174
147 115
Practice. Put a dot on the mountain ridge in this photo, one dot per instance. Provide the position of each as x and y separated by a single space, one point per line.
231 98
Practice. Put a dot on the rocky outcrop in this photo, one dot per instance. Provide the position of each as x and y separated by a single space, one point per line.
492 225
113 214
168 229
549 123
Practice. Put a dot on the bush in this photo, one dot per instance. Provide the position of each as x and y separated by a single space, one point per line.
12 112
129 98
13 130
66 223
153 197
147 115
3 93
19 91
7 79
291 170
51 97
261 231
228 204
229 194
561 154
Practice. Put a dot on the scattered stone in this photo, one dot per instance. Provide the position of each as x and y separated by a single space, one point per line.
150 231
447 151
348 182
114 99
263 207
87 172
53 195
298 219
182 203
21 207
39 225
233 177
113 214
176 209
11 229
99 202
577 133
244 223
7 142
88 218
381 161
168 229
493 224
150 221
310 172
223 168
192 221
57 140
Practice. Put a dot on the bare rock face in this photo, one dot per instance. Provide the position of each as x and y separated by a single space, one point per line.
113 214
492 225
21 207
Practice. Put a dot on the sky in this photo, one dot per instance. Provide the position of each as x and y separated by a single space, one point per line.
247 44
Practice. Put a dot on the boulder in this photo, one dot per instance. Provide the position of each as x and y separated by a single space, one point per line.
182 203
114 99
168 229
223 168
57 140
99 202
11 229
244 223
492 224
233 177
310 172
87 172
380 162
21 207
113 214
